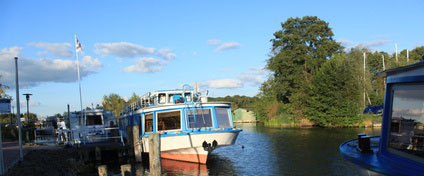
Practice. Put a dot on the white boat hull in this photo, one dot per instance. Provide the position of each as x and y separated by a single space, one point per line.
189 147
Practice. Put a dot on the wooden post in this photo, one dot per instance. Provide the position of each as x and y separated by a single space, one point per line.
137 143
154 155
102 170
126 170
130 140
98 153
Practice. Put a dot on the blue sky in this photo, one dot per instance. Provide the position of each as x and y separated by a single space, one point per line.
142 46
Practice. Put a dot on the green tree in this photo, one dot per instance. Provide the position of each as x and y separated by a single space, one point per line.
334 95
299 49
113 102
134 98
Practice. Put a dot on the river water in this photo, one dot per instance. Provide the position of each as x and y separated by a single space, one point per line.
269 151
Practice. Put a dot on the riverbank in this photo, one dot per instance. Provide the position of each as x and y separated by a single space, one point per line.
362 121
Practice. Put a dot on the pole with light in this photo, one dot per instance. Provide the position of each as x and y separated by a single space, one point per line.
27 95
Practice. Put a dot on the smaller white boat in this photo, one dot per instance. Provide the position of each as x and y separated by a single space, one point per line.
93 126
190 127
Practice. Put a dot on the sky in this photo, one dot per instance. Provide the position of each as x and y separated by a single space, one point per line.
142 46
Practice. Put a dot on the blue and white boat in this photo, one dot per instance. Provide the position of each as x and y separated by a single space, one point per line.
190 127
400 148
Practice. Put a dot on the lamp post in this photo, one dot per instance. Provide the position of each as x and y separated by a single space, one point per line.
27 95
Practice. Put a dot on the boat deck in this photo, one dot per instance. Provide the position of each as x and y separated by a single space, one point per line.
377 162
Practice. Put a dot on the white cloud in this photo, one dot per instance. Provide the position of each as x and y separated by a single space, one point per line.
57 49
228 46
214 42
129 50
252 80
123 49
346 42
257 70
146 65
92 64
372 44
166 53
35 71
222 84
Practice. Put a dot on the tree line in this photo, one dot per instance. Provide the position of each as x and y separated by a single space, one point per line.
314 78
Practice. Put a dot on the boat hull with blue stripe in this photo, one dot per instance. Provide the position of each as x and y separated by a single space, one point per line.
189 129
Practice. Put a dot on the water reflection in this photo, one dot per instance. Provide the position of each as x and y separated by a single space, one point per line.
272 151
217 165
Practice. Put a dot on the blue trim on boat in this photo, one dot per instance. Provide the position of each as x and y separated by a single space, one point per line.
405 79
182 133
379 162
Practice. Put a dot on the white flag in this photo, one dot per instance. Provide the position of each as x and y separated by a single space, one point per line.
78 46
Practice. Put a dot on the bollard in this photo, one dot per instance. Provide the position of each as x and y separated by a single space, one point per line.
98 153
365 144
126 170
359 140
154 154
102 170
137 143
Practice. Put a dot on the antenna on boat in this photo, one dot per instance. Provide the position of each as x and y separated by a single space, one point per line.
197 88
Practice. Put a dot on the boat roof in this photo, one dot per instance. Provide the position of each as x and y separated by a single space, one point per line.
403 69
92 111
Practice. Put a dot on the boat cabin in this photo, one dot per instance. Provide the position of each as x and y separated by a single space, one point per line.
176 110
400 148
92 126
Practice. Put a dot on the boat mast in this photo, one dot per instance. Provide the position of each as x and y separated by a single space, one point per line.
78 48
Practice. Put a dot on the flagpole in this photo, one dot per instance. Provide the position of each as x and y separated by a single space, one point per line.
78 70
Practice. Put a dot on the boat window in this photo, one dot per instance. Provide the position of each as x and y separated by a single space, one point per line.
199 118
148 122
187 96
93 120
169 120
162 98
174 98
406 132
223 118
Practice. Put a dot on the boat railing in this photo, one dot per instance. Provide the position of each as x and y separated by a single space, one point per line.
98 135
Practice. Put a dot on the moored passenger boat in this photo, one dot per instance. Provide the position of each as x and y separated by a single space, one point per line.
190 127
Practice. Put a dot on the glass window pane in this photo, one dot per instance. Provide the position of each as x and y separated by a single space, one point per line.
406 128
162 98
93 120
203 118
169 120
223 118
148 123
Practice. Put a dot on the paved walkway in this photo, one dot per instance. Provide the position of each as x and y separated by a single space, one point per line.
11 152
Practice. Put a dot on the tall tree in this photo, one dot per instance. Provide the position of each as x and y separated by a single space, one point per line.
113 102
335 93
299 49
134 98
